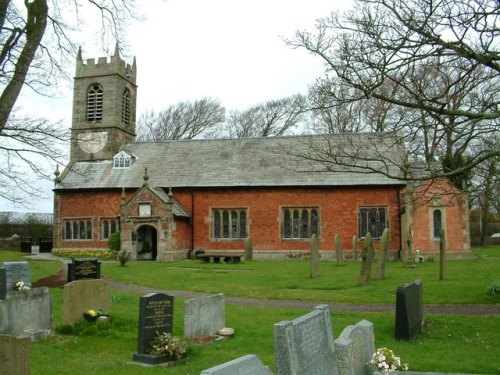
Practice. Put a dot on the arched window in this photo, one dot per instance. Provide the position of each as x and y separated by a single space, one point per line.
299 223
126 107
229 223
437 219
94 103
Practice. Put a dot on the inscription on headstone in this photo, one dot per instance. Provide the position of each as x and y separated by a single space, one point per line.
14 355
409 310
156 312
84 269
247 365
17 271
305 345
3 283
354 348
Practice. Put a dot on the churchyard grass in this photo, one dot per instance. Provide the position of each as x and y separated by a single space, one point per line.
290 280
449 343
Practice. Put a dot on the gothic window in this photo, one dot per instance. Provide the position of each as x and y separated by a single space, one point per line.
437 219
299 223
109 226
373 220
78 229
126 107
229 224
94 103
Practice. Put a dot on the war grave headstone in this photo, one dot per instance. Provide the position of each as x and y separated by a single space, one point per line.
305 345
17 271
354 348
27 312
84 295
3 283
249 364
409 310
84 269
204 316
156 313
14 355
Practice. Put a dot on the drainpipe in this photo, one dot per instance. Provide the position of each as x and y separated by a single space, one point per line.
192 222
400 215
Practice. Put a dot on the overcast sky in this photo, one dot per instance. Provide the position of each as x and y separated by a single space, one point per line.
228 50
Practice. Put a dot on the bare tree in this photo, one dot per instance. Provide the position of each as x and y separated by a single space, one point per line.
273 118
432 69
184 120
36 41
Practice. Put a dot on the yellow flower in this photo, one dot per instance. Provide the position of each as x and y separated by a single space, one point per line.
92 312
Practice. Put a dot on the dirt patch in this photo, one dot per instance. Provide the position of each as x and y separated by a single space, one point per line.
56 280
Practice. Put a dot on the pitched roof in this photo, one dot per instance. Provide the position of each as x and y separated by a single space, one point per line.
244 162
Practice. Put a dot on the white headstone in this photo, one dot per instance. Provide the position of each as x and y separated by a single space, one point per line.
247 365
354 348
204 316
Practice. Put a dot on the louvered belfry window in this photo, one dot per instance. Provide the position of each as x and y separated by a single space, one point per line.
94 103
126 107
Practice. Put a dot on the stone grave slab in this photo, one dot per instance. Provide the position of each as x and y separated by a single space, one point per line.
354 348
249 364
409 310
84 269
14 355
27 312
17 271
204 316
83 295
156 313
3 283
305 345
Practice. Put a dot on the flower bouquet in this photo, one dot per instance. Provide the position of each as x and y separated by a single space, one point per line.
384 360
166 345
92 315
20 285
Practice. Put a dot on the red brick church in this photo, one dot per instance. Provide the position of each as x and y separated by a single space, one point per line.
169 199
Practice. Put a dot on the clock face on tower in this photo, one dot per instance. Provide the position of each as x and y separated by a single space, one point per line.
92 142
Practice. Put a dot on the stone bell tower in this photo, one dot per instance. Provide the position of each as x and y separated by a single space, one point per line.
104 107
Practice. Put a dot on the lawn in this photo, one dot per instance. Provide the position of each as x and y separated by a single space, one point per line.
467 344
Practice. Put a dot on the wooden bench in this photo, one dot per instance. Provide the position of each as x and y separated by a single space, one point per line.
228 258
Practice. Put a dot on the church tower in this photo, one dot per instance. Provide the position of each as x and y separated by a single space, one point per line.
104 107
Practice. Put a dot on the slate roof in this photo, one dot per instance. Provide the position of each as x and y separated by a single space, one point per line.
244 162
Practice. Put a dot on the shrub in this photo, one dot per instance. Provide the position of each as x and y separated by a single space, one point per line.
114 242
123 257
493 290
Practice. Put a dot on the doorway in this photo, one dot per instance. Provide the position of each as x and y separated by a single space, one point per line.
147 243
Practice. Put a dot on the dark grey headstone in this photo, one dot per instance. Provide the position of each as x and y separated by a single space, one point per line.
17 271
3 283
409 310
84 269
156 312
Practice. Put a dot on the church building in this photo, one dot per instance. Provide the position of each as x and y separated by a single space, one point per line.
171 199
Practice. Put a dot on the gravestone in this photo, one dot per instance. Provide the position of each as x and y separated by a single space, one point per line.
82 296
27 312
249 364
17 271
305 345
156 312
409 310
14 355
354 348
204 316
3 283
84 269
